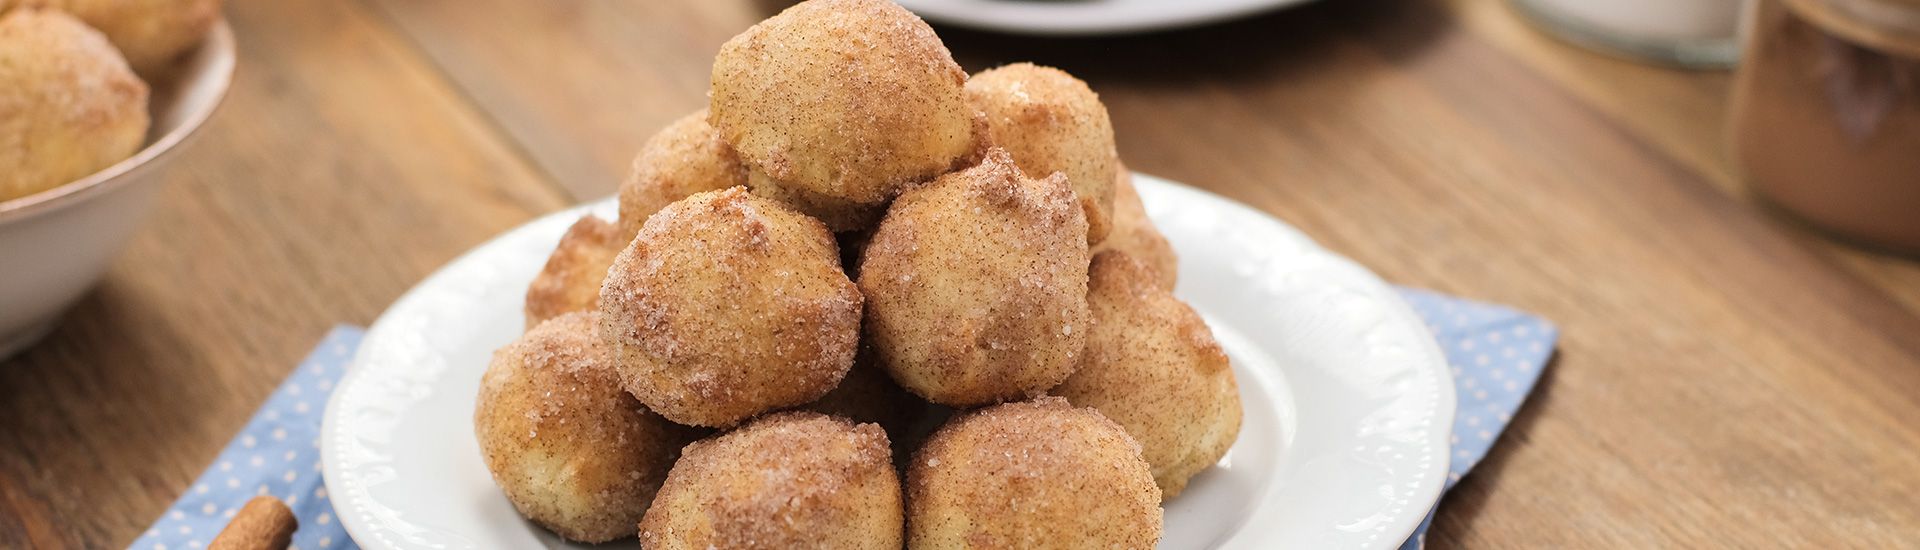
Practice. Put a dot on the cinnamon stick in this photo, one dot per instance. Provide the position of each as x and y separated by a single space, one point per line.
264 523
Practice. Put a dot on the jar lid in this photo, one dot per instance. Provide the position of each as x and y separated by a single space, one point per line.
1892 26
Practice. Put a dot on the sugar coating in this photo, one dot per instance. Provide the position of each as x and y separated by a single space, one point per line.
1050 122
684 158
69 106
727 305
1152 366
785 480
976 285
571 450
151 33
1038 474
723 303
570 281
1135 234
839 104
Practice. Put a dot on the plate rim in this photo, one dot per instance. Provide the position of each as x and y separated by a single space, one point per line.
1431 484
1446 401
1070 19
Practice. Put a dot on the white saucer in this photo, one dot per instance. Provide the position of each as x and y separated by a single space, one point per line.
1087 17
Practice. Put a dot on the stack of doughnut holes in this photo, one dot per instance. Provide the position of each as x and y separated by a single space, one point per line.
862 300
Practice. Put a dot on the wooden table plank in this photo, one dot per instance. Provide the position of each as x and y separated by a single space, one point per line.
585 83
1725 379
1718 366
1683 113
341 170
1723 311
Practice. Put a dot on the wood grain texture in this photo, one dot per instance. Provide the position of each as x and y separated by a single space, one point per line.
340 171
580 84
1681 113
1726 378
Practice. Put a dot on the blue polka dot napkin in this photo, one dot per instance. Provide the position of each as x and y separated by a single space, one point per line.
277 454
1496 354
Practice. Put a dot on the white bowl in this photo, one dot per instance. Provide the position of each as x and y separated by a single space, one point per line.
56 243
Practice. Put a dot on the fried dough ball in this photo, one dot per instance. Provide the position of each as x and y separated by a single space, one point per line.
976 285
1153 367
69 106
868 395
571 279
572 451
151 33
835 105
1038 474
1052 122
786 480
1135 234
727 305
684 158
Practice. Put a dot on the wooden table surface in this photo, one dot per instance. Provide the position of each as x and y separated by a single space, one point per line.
1725 378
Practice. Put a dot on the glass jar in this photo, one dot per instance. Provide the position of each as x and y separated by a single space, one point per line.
1687 33
1826 115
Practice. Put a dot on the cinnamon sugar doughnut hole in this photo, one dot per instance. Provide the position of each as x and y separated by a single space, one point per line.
836 105
69 106
570 280
1052 122
976 285
785 480
571 450
1135 234
727 305
151 33
1153 367
1038 474
684 158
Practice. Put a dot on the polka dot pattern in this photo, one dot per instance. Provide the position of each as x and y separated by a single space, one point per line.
274 455
1496 354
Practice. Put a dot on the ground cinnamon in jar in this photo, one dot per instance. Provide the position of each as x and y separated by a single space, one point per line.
1826 114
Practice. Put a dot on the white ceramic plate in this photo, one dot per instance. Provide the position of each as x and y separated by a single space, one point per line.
1086 17
1348 400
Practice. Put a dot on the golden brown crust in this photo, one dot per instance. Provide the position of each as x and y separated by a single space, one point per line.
1152 366
727 305
1052 122
786 480
839 104
151 33
1135 234
571 450
69 106
571 279
976 285
840 215
1038 474
684 158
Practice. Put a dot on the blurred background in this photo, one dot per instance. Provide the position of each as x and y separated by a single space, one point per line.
1715 199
